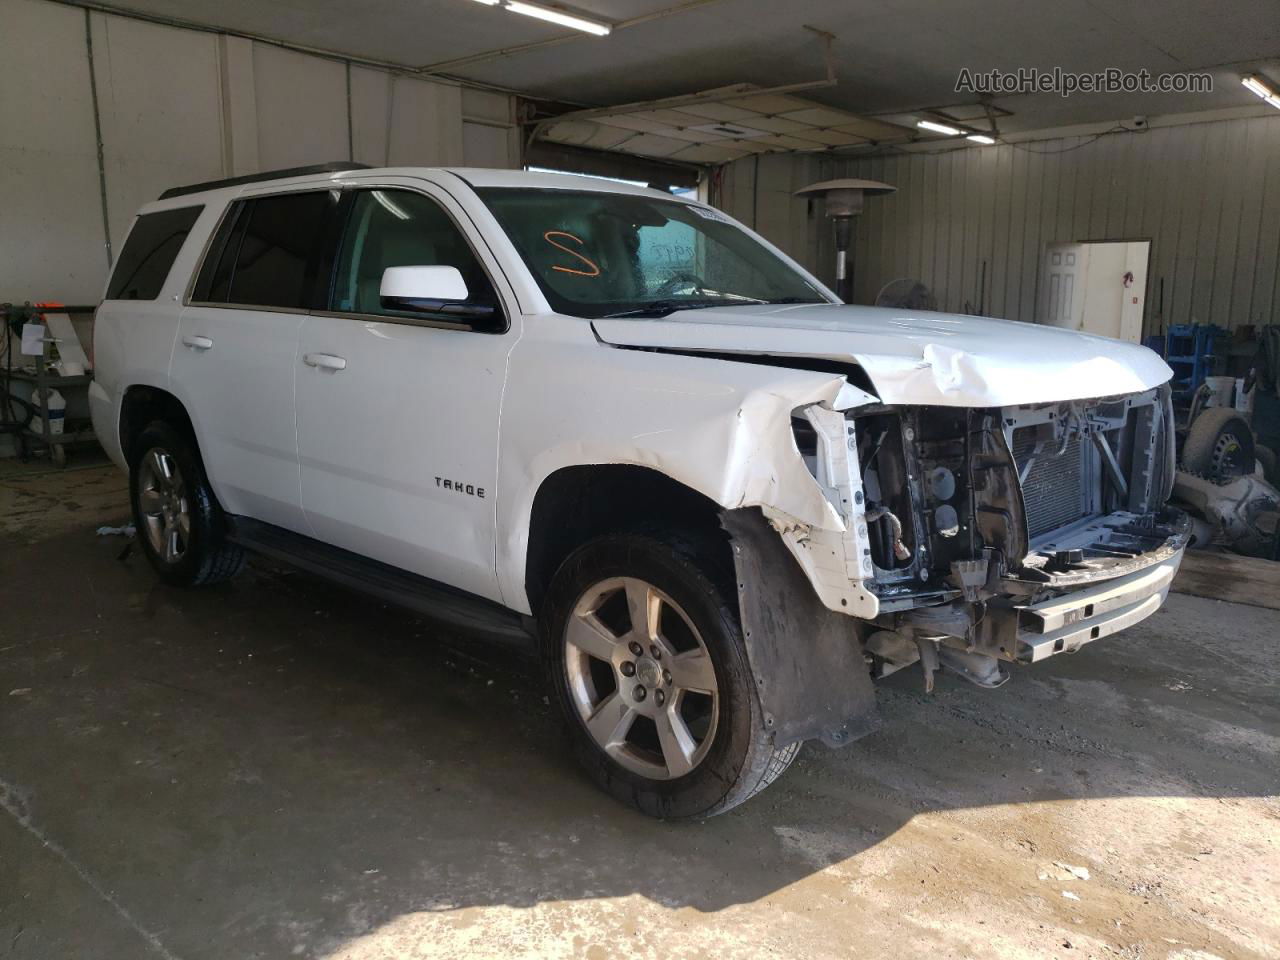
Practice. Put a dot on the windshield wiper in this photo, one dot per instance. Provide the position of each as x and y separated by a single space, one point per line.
782 300
661 308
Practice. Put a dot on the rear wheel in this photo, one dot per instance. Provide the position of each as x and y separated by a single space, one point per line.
649 666
179 524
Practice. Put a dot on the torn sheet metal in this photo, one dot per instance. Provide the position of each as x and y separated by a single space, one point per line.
807 661
722 429
915 357
836 562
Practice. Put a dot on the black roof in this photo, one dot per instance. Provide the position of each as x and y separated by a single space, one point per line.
336 167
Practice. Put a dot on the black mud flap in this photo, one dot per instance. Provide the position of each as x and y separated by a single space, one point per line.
807 660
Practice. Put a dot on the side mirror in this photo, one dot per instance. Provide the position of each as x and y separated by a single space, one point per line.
435 290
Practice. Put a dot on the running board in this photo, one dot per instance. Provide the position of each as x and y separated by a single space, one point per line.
436 601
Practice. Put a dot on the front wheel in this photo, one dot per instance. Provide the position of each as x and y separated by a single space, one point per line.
648 663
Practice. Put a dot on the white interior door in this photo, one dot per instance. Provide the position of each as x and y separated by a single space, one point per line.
1062 285
1098 288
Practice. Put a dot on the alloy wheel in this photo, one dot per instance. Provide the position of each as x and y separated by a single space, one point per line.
163 505
641 678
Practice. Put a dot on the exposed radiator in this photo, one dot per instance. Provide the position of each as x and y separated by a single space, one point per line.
1053 491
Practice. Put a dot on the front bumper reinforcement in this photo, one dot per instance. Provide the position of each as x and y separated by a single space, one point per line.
1032 632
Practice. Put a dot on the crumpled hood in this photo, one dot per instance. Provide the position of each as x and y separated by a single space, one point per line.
913 357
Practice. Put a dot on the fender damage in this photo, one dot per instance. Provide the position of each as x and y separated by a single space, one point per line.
723 430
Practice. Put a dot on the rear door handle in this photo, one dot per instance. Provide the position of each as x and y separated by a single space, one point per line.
325 361
197 343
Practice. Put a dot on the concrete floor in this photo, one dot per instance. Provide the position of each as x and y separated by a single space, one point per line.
277 768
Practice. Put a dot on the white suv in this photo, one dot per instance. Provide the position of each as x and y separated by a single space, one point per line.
624 427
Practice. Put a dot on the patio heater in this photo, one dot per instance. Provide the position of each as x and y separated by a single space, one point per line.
843 201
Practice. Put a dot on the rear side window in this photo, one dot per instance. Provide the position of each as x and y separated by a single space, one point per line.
265 252
149 253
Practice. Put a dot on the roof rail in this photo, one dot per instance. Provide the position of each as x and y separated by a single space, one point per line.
336 167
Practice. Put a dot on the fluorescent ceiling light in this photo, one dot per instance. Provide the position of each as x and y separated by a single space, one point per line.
981 138
1256 86
559 16
489 3
938 128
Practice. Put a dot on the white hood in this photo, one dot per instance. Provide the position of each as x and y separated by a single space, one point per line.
938 359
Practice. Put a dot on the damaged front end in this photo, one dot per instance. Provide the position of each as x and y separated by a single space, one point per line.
976 537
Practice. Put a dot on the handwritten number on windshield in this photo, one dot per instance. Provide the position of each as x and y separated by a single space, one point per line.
591 271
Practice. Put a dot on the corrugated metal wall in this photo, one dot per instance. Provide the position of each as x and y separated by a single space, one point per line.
1207 196
99 113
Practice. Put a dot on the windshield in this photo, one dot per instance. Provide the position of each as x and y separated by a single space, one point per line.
608 254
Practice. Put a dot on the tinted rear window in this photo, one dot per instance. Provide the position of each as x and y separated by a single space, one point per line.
149 253
274 258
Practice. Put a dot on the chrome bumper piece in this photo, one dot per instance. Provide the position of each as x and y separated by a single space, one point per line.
1064 624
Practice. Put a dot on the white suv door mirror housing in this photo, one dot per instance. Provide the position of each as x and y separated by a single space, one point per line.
422 283
439 291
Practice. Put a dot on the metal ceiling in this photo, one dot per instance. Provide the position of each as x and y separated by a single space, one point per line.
892 59
721 126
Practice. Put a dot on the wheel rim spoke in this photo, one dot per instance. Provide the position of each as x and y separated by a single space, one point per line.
155 531
678 745
643 603
693 671
611 721
171 548
163 506
591 637
159 468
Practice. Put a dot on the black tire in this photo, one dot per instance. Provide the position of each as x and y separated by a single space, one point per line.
207 556
1219 443
741 759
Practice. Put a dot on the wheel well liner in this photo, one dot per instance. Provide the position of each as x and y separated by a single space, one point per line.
143 404
576 504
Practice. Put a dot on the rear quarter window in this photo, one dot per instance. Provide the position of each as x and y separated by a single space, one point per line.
148 254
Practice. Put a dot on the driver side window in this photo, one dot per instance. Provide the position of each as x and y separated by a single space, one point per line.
401 228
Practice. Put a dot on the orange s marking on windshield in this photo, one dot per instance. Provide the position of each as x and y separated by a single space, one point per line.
591 271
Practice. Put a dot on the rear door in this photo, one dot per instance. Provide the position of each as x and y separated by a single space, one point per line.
398 412
235 359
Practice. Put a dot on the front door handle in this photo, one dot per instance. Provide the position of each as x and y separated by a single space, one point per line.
197 343
325 361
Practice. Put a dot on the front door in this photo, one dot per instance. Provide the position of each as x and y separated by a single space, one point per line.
397 412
